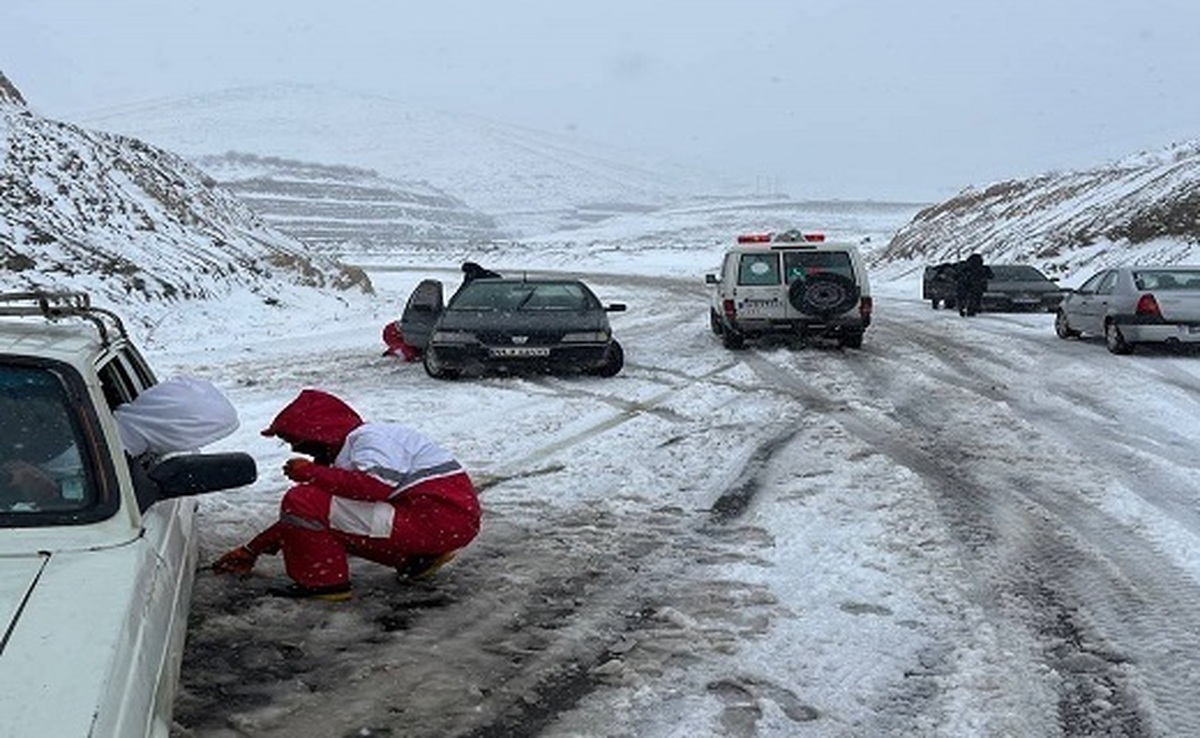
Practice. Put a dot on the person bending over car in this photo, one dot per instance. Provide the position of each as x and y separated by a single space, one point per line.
378 491
472 271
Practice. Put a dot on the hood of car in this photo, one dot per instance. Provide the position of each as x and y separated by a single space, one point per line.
112 531
64 618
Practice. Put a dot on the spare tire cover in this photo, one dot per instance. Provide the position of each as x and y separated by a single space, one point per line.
825 294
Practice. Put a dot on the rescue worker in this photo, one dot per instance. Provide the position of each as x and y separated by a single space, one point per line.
393 338
378 491
971 279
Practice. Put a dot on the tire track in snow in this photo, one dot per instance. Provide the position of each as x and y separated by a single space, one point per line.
1083 581
616 582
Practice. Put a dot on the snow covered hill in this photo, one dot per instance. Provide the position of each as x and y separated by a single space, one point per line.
347 209
530 181
1145 208
373 180
133 224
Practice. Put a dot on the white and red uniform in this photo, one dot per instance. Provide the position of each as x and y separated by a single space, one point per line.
390 494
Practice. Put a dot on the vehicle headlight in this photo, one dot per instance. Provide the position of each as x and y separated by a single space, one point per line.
586 337
452 337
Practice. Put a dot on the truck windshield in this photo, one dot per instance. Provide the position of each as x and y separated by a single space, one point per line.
43 476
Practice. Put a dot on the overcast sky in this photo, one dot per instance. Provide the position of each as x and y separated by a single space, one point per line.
818 98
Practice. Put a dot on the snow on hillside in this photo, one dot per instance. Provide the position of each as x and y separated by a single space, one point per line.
528 180
1145 208
133 224
685 241
136 223
332 207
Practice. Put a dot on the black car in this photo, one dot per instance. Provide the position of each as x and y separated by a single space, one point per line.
938 285
1019 287
503 325
1011 288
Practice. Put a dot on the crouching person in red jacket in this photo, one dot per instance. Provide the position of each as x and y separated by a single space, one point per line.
379 491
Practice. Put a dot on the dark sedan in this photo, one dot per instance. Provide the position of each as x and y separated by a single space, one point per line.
523 326
1018 287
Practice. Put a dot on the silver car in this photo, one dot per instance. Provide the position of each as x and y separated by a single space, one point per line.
1134 304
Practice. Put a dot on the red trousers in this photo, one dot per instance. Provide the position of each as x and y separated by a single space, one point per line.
394 340
434 517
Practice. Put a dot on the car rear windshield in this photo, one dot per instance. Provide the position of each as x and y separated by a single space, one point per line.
1016 273
803 264
44 463
1174 279
491 295
764 269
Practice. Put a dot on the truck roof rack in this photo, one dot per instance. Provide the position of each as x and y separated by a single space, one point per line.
55 306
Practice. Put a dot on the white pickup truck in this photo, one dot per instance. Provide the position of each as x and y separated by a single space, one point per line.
97 552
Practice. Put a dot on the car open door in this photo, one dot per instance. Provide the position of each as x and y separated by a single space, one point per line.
424 307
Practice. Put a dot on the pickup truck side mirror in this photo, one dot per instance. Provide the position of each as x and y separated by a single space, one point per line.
711 279
616 307
192 474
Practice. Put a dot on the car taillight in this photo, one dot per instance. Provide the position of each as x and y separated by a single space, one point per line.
1148 306
865 305
727 306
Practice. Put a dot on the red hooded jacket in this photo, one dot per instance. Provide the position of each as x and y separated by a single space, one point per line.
375 461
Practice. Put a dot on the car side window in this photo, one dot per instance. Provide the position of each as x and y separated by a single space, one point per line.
758 269
1106 285
122 379
117 382
1089 287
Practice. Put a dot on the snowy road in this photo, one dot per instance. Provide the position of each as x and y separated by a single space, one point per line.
970 527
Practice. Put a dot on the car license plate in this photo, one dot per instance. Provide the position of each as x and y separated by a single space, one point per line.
757 306
520 352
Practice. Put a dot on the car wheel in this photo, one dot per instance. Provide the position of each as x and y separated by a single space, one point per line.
935 303
1115 341
614 360
1062 327
434 368
714 322
732 338
824 294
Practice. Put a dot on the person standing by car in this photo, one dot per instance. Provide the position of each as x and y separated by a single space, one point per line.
971 279
378 491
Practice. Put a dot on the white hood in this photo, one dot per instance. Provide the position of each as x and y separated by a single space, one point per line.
65 615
